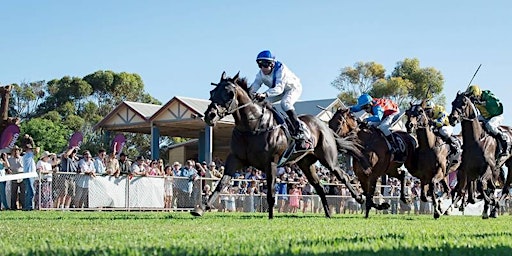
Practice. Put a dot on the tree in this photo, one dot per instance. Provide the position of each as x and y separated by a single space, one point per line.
359 79
25 98
49 135
426 83
408 82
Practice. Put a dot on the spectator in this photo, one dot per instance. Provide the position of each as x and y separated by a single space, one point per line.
112 165
407 193
67 184
17 188
176 167
4 166
153 169
100 162
168 187
395 195
295 197
282 191
161 166
86 169
416 193
307 192
29 166
125 165
139 167
185 184
45 169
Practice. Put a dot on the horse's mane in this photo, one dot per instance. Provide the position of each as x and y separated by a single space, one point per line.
242 82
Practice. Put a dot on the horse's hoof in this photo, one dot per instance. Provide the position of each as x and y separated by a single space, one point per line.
436 215
197 212
493 214
485 216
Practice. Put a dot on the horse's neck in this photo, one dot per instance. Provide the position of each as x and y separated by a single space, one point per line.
471 131
426 138
251 116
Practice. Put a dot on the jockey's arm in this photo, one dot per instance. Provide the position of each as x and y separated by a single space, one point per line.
378 114
278 89
256 85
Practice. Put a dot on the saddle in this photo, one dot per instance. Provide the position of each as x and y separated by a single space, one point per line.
293 147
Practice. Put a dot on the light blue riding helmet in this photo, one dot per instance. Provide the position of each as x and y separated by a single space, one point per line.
265 55
364 99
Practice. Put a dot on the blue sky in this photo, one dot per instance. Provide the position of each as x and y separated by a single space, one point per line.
179 47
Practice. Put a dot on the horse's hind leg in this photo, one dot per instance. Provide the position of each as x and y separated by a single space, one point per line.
310 172
343 177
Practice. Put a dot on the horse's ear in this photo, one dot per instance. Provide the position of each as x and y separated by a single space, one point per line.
236 76
223 77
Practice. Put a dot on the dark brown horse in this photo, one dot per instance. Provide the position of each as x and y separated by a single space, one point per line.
478 155
376 153
432 165
259 140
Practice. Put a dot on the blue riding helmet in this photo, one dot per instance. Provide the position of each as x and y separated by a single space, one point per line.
364 99
265 55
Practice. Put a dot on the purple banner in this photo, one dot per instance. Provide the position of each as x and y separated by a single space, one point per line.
9 136
76 140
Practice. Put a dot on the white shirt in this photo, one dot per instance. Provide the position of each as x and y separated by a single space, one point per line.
45 168
285 80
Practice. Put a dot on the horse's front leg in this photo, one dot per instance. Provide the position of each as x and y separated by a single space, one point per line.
232 164
271 190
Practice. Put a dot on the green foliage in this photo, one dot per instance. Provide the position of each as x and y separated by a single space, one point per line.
54 116
49 135
408 82
74 122
359 79
158 233
25 98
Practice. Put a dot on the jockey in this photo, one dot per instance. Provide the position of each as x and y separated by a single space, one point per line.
491 113
439 119
383 111
283 85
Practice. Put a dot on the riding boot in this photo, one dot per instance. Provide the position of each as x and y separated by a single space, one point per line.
297 132
391 140
505 146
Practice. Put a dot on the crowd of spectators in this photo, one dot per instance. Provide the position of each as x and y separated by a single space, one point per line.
63 182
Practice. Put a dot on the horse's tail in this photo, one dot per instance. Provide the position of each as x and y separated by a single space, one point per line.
352 146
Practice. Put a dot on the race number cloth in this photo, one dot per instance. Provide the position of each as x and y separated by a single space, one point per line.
108 191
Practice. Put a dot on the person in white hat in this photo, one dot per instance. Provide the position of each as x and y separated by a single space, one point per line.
44 168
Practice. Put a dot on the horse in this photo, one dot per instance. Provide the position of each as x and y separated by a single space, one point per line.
376 154
433 166
478 156
260 140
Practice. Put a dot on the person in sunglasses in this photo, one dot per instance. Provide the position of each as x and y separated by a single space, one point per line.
282 85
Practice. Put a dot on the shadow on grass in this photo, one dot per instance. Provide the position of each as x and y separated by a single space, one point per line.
497 250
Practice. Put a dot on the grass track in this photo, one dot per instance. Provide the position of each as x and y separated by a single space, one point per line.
158 233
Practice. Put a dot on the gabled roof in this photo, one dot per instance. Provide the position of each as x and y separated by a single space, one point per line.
144 109
182 116
197 106
130 110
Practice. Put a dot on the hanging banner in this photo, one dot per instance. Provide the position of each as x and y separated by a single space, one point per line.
76 140
118 144
9 136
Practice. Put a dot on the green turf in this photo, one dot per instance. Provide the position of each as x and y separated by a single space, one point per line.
159 233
